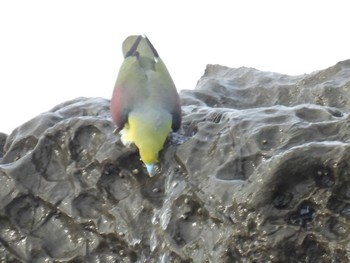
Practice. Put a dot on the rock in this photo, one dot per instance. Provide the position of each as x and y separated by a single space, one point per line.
3 138
258 173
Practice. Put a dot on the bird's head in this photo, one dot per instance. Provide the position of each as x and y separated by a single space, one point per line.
149 156
149 130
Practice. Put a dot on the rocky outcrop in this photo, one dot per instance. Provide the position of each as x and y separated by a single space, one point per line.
258 173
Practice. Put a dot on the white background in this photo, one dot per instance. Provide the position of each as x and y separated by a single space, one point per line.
53 51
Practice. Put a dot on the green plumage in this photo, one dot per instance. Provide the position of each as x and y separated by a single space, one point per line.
145 103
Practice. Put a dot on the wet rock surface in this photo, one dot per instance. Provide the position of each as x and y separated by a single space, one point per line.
258 173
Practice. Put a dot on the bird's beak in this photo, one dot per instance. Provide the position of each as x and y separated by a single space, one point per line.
151 169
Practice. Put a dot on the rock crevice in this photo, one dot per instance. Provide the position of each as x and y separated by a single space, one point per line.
259 172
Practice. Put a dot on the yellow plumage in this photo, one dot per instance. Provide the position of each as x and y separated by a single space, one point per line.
148 130
145 102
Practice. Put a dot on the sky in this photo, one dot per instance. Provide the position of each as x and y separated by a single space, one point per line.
54 51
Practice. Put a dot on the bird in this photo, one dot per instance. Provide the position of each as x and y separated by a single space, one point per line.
145 104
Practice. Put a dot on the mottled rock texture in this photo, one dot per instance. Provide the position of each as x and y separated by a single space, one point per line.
260 172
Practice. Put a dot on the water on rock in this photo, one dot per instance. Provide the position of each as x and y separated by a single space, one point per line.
259 172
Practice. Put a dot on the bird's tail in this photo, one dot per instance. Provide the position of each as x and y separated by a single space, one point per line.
139 45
